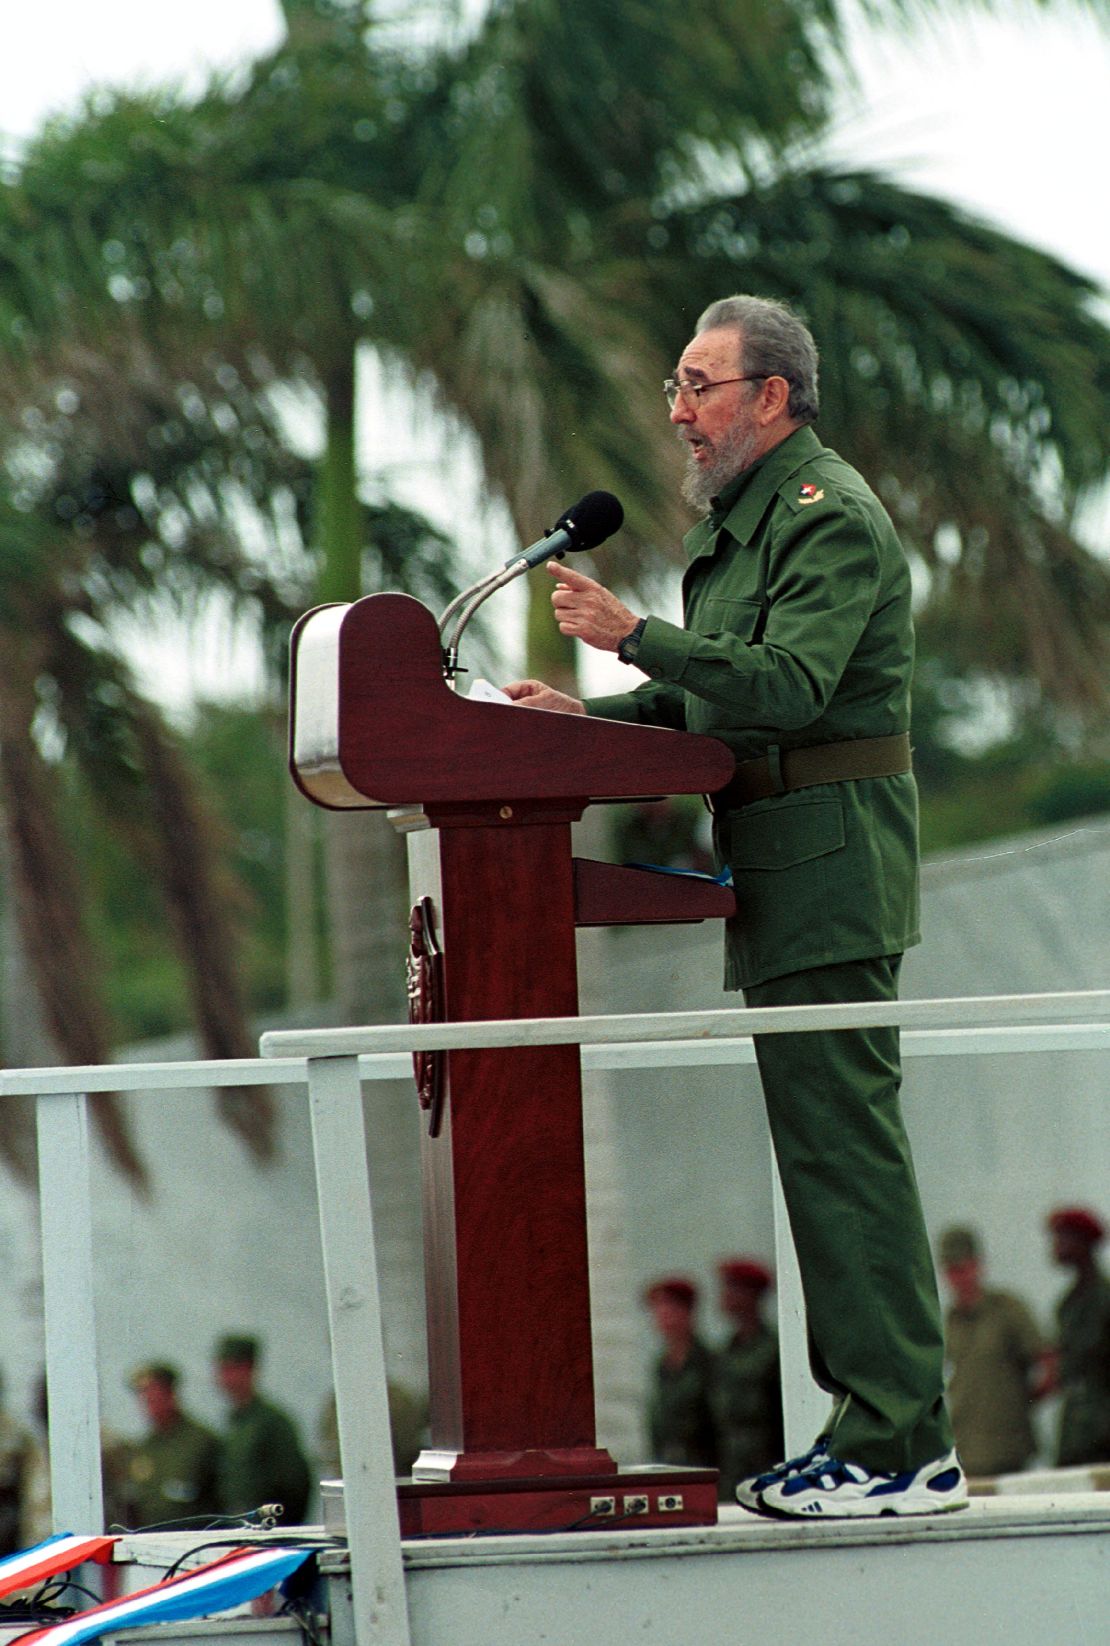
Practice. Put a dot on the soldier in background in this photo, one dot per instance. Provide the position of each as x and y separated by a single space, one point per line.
261 1457
999 1362
171 1471
747 1387
17 1449
1083 1337
679 1405
408 1429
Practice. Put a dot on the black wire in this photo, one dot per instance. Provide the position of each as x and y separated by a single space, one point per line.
48 1592
306 1617
229 1543
235 1543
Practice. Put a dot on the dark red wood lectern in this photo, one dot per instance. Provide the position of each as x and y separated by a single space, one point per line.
488 793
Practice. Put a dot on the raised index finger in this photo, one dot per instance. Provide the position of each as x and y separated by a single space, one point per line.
567 574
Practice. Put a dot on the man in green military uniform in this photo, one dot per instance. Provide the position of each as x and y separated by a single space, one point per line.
261 1458
747 1389
1083 1338
679 1411
999 1362
170 1475
796 651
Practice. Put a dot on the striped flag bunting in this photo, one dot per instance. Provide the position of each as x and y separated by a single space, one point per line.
221 1584
54 1555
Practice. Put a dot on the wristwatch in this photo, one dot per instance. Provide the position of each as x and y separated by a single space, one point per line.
630 645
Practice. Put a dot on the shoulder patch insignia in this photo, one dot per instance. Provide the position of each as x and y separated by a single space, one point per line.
809 493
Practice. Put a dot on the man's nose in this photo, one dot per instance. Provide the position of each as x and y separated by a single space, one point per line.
682 411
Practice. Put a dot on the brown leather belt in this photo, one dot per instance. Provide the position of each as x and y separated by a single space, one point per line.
780 771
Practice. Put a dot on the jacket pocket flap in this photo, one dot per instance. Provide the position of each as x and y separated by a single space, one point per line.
720 614
786 833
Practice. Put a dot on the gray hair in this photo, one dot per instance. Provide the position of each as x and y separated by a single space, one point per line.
772 340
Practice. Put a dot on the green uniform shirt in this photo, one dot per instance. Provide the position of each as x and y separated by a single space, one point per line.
747 1403
261 1461
797 631
1083 1315
991 1351
680 1418
171 1474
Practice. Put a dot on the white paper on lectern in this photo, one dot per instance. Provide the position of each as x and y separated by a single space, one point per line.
482 692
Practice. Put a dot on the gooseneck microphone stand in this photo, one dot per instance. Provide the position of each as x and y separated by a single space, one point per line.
469 601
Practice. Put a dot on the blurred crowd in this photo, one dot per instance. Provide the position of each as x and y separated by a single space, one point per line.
180 1472
709 1404
720 1405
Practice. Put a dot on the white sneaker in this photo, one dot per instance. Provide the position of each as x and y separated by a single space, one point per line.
831 1490
749 1491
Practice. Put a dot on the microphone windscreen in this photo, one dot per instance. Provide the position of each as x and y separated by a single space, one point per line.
592 519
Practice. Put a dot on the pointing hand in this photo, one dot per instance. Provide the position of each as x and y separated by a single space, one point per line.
588 611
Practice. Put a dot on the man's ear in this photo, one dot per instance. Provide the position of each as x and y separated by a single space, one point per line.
773 402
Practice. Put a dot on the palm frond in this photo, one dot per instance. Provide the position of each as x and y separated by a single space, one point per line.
48 907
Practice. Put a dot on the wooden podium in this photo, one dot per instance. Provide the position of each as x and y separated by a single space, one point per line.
487 794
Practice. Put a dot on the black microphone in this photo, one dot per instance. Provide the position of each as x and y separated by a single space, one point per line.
586 524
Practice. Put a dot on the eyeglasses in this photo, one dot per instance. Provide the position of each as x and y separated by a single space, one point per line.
692 392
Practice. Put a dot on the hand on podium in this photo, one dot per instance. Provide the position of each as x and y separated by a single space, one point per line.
533 694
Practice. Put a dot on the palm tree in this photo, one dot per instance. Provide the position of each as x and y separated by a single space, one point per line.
91 525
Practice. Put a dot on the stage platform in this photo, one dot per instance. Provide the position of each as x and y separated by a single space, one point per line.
1030 1571
1021 1570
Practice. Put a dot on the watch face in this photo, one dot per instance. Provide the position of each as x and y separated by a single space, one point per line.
628 647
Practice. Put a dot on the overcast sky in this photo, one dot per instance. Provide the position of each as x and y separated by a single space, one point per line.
1009 117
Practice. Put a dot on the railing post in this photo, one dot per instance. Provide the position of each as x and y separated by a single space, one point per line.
358 1352
805 1407
65 1209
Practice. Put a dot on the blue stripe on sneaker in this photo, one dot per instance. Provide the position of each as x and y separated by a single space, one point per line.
895 1483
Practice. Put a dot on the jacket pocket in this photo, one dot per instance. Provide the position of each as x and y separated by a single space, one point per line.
785 834
718 615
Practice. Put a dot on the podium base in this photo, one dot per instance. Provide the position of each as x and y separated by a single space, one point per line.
653 1495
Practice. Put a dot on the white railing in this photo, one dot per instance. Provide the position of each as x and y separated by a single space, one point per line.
333 1063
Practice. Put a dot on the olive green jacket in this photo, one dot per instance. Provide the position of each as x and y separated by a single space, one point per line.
1083 1316
747 1404
992 1351
171 1475
261 1461
679 1410
797 631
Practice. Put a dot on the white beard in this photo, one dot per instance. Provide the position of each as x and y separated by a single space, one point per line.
730 456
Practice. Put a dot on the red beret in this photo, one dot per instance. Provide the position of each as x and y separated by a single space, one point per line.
745 1271
1077 1220
674 1286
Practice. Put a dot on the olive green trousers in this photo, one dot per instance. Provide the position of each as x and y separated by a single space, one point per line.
872 1311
